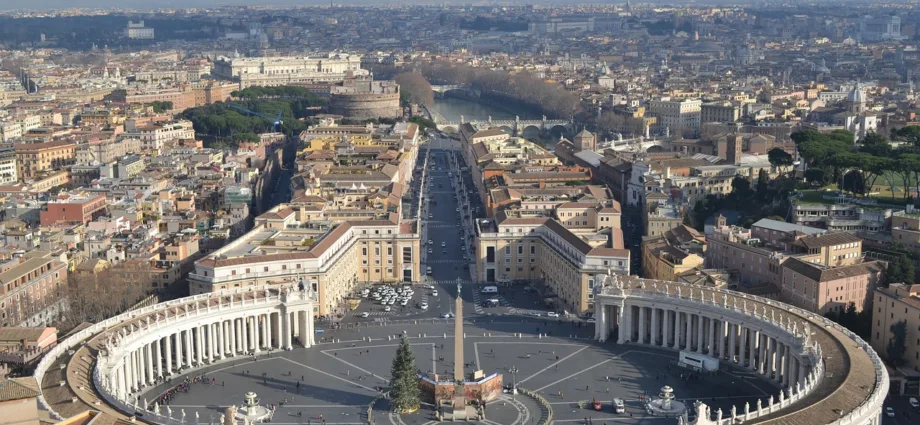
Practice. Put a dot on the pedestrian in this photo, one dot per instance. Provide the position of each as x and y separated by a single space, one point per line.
586 388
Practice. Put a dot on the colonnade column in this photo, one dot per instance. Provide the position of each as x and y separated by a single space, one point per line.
157 348
676 330
254 333
266 331
276 322
755 338
742 346
151 374
286 330
199 345
712 336
666 328
653 336
699 334
787 364
167 353
641 338
234 337
188 347
732 341
688 331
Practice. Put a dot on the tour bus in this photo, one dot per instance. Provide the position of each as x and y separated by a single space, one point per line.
619 406
490 290
698 361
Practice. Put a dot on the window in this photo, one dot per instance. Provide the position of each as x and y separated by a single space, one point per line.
507 249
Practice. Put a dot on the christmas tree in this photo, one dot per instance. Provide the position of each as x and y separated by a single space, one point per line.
404 391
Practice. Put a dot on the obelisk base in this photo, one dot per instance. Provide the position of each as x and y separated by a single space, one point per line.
459 408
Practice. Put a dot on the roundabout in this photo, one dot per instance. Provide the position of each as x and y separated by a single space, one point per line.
188 360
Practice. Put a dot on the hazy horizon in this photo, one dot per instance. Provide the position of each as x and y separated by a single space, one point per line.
46 5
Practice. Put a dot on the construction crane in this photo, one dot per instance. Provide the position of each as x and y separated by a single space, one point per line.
276 122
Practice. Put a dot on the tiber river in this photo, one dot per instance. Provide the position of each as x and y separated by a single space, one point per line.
451 108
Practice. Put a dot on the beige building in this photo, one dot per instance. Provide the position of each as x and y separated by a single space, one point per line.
331 262
897 303
526 245
905 229
721 112
676 114
676 252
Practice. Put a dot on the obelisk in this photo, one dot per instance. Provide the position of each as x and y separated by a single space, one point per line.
459 376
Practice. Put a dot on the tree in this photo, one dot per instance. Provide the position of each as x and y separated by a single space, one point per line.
92 298
779 158
910 134
900 270
160 107
741 187
897 344
405 395
875 144
415 88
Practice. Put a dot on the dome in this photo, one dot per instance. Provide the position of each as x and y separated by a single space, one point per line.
856 96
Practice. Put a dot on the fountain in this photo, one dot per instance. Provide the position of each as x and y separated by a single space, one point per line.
665 404
251 411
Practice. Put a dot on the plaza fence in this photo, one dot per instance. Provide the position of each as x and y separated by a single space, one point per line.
546 410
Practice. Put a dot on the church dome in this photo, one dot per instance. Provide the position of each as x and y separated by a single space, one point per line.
856 96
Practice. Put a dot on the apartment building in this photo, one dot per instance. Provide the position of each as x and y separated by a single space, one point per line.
282 250
107 150
154 135
77 208
721 112
676 114
527 245
33 159
821 289
841 216
30 289
899 302
10 130
754 255
8 171
905 229
673 253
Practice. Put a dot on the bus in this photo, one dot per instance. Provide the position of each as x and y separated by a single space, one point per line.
698 361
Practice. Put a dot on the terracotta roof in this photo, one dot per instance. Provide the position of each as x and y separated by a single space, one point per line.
17 334
827 239
819 273
18 389
573 239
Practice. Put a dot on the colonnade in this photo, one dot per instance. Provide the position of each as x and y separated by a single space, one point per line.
162 354
747 345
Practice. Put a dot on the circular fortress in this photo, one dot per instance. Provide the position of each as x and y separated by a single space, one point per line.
362 99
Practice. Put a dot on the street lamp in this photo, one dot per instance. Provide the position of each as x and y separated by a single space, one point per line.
513 371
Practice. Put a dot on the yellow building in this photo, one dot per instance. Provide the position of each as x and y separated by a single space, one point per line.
897 303
674 253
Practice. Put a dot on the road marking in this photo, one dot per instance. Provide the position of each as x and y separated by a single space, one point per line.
333 376
553 364
574 374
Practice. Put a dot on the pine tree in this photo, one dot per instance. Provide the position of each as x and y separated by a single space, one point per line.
404 391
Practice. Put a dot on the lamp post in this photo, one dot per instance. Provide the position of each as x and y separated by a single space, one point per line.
513 371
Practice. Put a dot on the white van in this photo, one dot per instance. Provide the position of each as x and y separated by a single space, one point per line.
619 406
914 403
490 290
428 271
